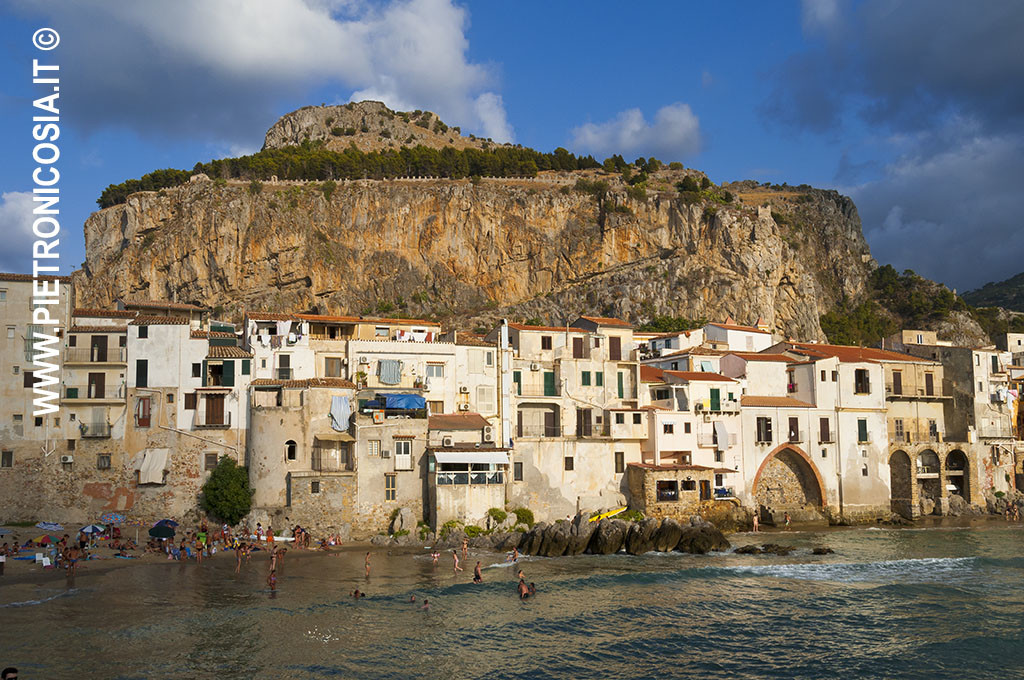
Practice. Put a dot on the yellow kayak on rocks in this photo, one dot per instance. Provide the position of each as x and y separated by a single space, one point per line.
597 518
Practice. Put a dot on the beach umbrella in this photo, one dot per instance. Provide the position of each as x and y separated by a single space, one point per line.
93 529
161 532
166 523
50 526
112 518
45 539
137 523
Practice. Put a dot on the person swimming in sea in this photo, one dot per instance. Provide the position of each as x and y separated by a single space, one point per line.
523 589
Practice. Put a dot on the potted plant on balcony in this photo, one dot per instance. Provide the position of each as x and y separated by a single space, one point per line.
361 379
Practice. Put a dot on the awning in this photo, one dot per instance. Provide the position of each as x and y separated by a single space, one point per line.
481 456
335 437
722 435
151 464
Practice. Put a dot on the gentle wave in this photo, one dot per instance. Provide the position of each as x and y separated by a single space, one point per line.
31 603
926 569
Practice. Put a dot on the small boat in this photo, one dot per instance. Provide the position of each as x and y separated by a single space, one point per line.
597 518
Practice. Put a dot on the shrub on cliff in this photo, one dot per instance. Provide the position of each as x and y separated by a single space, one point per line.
226 494
524 516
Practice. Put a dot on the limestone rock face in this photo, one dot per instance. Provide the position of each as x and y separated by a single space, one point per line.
474 253
581 533
609 537
640 537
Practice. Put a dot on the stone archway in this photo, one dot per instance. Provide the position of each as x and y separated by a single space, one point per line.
787 479
958 473
901 483
929 483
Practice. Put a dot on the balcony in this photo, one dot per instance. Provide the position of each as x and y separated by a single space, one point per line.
211 421
710 439
95 430
93 392
475 477
537 390
827 437
1005 432
95 355
323 459
283 373
723 492
914 436
540 431
797 436
909 391
724 406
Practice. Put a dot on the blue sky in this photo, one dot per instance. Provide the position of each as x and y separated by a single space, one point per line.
915 109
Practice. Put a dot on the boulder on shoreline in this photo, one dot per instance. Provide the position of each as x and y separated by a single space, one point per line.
580 535
666 538
555 539
609 537
640 536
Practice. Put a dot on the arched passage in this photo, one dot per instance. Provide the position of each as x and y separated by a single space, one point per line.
929 488
957 473
901 483
787 479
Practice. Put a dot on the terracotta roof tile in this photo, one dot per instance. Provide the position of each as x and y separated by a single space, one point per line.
737 327
29 277
103 313
851 354
202 335
607 321
652 466
326 318
457 421
758 356
549 329
409 322
148 320
308 382
773 402
227 352
699 375
98 329
270 316
650 374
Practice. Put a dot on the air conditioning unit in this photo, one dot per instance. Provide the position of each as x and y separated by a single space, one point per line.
364 360
385 453
447 442
488 430
534 366
464 390
488 436
699 406
463 407
67 459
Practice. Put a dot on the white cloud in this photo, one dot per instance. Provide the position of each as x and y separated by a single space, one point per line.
674 134
820 16
225 66
490 109
16 230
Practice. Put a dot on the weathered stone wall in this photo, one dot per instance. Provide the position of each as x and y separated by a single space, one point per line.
643 490
787 482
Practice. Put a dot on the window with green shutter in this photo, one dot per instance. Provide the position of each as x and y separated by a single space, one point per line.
517 378
585 378
862 430
228 377
622 385
245 366
599 378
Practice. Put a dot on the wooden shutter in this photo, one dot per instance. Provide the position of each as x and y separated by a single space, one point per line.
577 348
228 377
615 348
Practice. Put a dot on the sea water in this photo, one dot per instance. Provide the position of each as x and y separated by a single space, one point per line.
935 603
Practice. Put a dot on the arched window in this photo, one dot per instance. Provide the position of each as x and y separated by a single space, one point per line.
290 449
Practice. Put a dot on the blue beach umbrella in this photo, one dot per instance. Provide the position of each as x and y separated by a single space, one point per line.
112 518
93 529
50 526
166 523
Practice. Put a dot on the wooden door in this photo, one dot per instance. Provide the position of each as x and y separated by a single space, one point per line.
99 348
929 384
615 348
97 385
577 348
215 409
705 489
897 382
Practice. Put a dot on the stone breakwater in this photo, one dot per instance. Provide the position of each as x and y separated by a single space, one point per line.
581 536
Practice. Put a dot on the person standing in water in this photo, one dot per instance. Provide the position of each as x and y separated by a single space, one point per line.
367 564
478 576
787 518
272 579
455 559
755 522
434 555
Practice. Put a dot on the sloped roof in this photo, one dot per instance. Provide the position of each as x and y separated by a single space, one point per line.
457 421
270 316
98 329
227 352
851 354
699 375
94 313
308 382
28 277
737 327
148 320
652 466
758 356
203 335
607 321
773 402
327 318
650 374
410 322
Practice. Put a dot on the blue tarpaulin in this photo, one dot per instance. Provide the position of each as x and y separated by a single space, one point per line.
398 401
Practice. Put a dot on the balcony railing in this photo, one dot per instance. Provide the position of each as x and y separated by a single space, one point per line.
95 430
540 431
95 355
214 421
324 459
538 391
996 432
915 435
283 373
709 439
797 436
93 391
454 478
826 437
910 391
724 406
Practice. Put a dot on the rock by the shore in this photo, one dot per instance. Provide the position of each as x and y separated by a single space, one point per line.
667 536
530 543
699 540
403 519
640 536
581 533
822 551
555 539
775 549
748 550
609 537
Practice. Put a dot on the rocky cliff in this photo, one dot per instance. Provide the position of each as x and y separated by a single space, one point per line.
473 252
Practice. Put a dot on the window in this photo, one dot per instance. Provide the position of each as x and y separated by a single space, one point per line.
929 384
864 471
71 444
435 407
835 376
142 371
10 332
373 447
897 382
38 421
667 490
485 399
686 428
620 418
897 429
637 419
824 435
568 463
863 453
170 397
615 348
27 379
403 454
190 401
585 378
689 485
103 461
597 341
435 370
3 295
209 461
517 471
764 430
862 430
142 412
599 378
981 387
545 342
122 341
290 449
332 367
823 374
489 358
675 365
314 486
668 428
660 394
977 357
381 332
263 363
390 487
143 331
7 459
719 456
56 422
824 453
17 370
861 381
620 462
